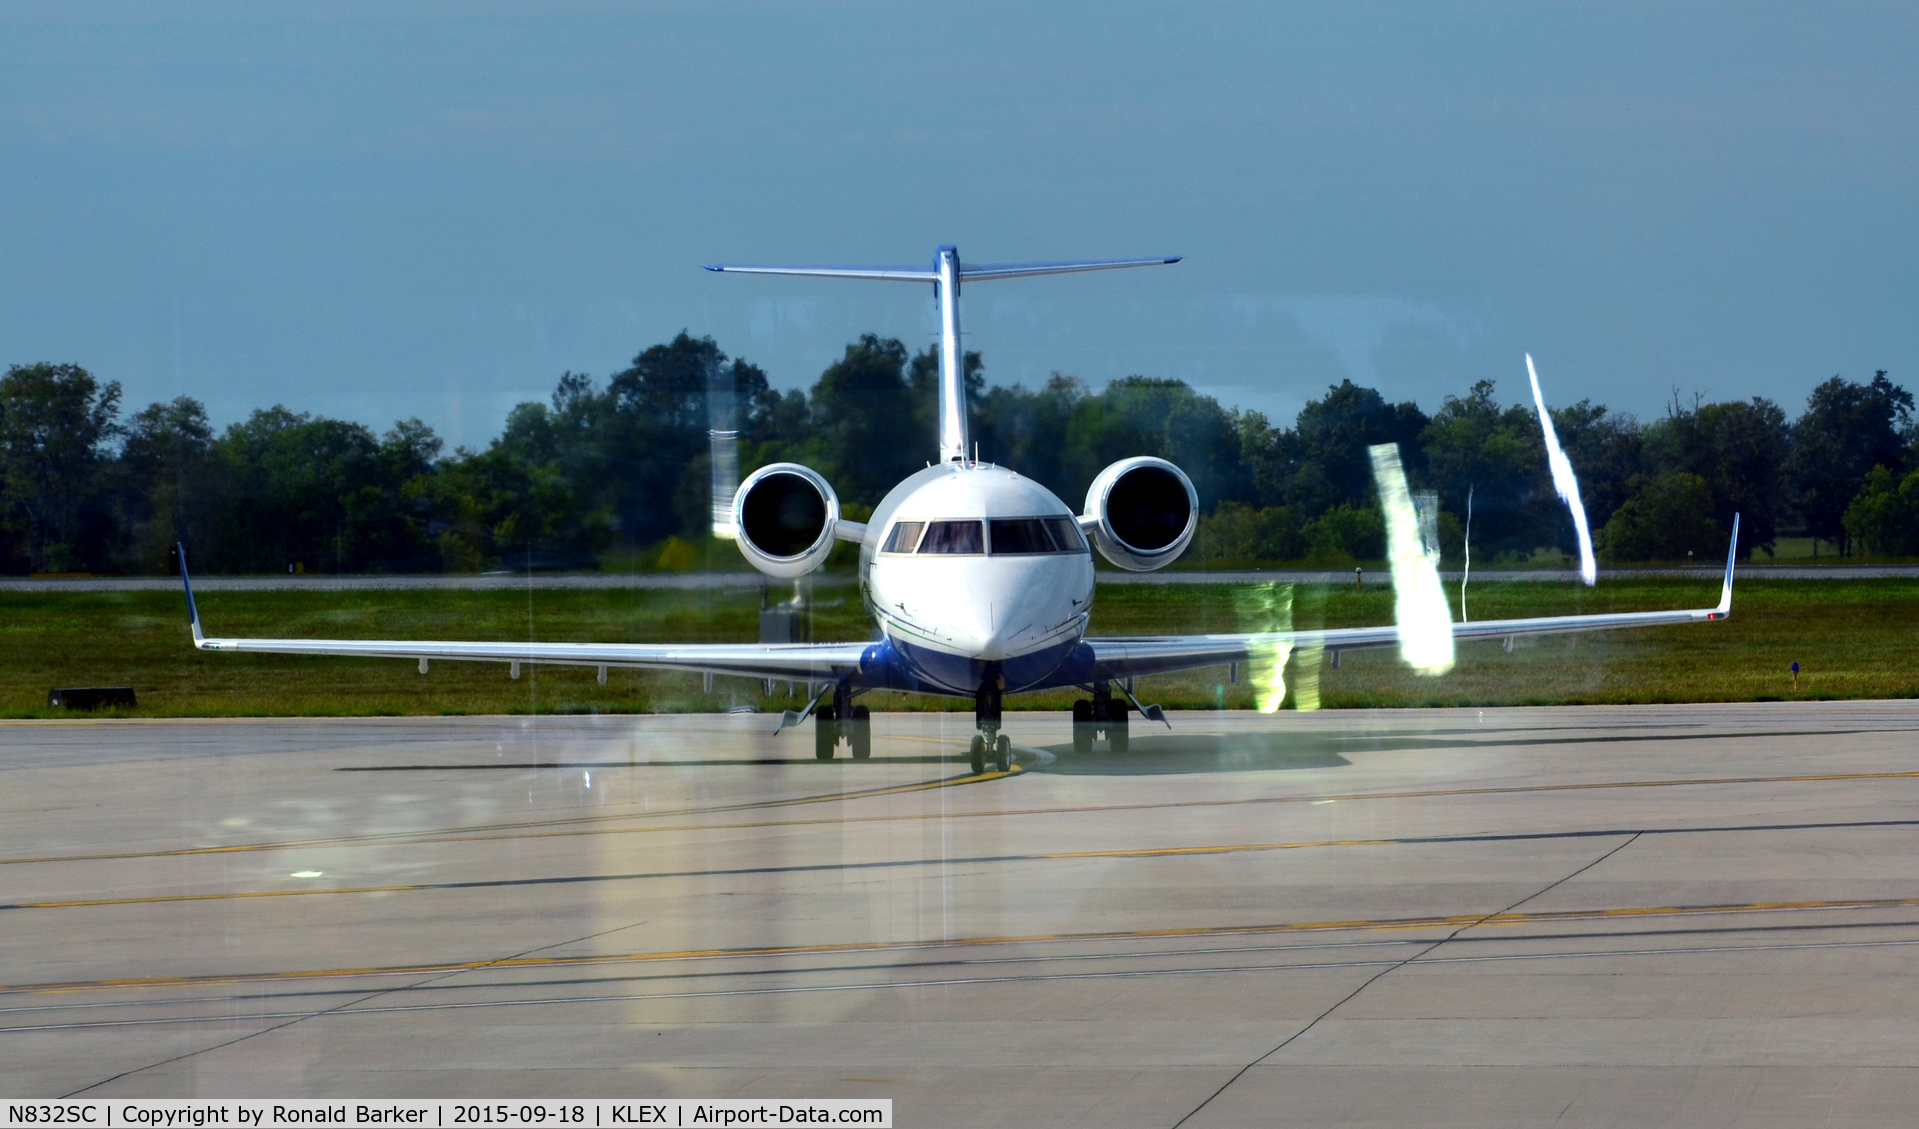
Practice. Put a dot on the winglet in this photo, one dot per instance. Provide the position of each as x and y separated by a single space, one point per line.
193 609
1732 554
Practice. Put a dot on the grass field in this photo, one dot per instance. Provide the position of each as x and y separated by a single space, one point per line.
1853 639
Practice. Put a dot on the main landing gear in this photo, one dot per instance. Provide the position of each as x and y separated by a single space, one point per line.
842 719
989 742
1103 716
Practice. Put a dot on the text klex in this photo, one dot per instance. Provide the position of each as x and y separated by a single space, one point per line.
639 1115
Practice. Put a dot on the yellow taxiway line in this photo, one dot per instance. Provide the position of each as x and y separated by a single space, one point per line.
570 827
1447 921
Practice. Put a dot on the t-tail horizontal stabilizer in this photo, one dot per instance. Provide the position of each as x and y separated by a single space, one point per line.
973 272
947 274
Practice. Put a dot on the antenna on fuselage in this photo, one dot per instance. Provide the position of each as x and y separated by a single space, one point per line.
946 276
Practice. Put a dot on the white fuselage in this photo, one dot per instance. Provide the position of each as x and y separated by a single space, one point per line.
958 575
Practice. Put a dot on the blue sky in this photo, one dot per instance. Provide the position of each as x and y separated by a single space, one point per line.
434 209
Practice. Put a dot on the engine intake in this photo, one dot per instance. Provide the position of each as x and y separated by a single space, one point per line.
784 516
1147 511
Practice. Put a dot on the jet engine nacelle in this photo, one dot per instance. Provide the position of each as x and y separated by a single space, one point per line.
1147 511
784 516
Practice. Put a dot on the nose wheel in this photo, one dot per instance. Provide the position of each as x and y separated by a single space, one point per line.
989 744
996 751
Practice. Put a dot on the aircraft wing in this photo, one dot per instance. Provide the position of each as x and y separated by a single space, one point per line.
1130 657
794 662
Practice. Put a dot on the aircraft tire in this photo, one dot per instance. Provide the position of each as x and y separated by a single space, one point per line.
1117 736
826 733
979 754
1003 753
859 733
1082 738
1082 712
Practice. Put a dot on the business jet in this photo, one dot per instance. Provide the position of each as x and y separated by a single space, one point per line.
979 579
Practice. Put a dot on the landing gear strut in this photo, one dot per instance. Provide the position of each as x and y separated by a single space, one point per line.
1103 716
986 714
842 719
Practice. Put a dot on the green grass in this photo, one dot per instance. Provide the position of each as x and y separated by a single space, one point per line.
1854 639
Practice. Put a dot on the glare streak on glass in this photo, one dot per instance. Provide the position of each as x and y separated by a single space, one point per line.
724 438
1467 573
1310 655
1424 621
1564 482
1267 610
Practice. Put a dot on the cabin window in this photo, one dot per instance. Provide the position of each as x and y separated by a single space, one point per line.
1066 533
952 537
905 535
1020 535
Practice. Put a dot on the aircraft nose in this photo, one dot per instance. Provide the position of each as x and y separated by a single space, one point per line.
982 630
1002 625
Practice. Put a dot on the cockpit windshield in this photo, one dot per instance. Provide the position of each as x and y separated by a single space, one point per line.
1020 535
1066 534
1015 536
952 537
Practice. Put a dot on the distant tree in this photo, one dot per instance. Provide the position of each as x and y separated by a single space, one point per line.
1847 430
639 439
1027 430
1665 518
162 483
502 506
1322 462
1344 534
1145 416
54 421
869 432
323 494
1739 450
1884 515
1236 533
1472 444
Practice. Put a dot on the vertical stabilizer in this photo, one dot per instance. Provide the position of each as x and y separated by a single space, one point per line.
953 423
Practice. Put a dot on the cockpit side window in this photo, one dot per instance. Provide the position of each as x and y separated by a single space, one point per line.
952 537
1019 535
905 536
1066 533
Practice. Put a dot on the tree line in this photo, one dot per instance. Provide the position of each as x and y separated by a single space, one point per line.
617 473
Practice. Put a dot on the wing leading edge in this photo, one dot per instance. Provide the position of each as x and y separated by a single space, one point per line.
1131 657
813 662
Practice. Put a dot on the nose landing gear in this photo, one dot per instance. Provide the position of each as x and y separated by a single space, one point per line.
989 741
